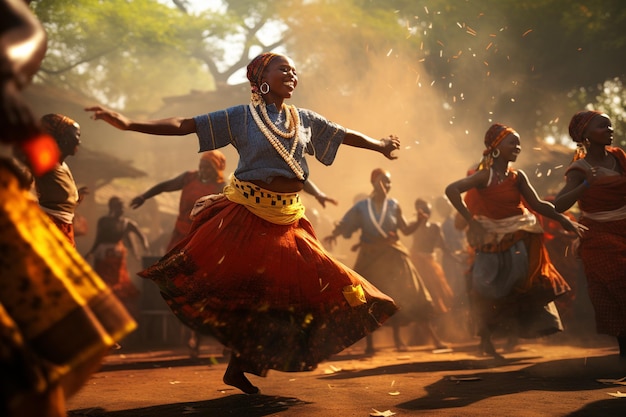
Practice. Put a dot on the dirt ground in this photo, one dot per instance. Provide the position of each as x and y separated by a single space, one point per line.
549 378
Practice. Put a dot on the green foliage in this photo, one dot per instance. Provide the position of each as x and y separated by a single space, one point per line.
107 49
514 61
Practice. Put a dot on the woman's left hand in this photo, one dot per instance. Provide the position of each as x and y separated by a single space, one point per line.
572 226
390 144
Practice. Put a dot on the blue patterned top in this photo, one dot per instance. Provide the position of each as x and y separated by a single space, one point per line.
258 160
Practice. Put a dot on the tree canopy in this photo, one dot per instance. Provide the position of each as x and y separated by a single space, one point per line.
529 63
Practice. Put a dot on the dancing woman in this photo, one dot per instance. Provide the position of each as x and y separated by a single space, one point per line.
251 272
596 180
512 282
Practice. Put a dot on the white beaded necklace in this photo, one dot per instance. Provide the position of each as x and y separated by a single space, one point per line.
292 120
282 151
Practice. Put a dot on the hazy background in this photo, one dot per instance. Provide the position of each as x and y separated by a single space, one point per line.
434 73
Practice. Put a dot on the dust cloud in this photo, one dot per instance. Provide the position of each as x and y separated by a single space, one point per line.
395 96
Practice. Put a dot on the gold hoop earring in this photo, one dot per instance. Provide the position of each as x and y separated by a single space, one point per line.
495 153
264 88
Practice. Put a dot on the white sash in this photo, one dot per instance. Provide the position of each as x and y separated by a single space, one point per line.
378 223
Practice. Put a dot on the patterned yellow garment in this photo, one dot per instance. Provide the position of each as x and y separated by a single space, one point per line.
56 314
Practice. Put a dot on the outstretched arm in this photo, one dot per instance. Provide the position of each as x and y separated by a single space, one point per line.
545 208
173 184
385 146
173 126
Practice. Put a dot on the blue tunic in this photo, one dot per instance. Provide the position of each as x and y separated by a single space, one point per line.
258 160
358 218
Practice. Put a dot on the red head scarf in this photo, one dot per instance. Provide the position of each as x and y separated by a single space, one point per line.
493 137
255 70
577 127
217 161
579 123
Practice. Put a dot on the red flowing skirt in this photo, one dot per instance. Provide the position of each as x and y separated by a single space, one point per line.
269 292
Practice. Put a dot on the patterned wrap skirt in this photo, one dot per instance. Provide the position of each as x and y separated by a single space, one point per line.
603 253
268 291
56 314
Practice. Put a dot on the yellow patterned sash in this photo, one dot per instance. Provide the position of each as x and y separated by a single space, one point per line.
277 208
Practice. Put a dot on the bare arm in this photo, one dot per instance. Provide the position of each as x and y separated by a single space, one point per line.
173 126
385 146
311 188
413 226
173 184
573 190
545 208
454 192
133 228
530 196
457 188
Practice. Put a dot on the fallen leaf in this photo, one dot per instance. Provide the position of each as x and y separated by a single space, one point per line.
385 413
617 394
394 393
621 381
332 370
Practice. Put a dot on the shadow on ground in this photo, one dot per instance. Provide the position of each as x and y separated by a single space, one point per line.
468 384
239 405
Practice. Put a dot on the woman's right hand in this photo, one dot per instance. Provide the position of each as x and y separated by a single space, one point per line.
113 118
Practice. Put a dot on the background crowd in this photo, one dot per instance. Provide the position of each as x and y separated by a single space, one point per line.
243 261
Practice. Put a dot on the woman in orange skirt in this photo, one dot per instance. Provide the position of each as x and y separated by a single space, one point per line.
513 283
252 272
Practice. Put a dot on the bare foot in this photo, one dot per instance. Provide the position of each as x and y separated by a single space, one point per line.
237 379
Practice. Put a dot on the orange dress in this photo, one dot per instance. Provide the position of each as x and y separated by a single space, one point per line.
526 305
